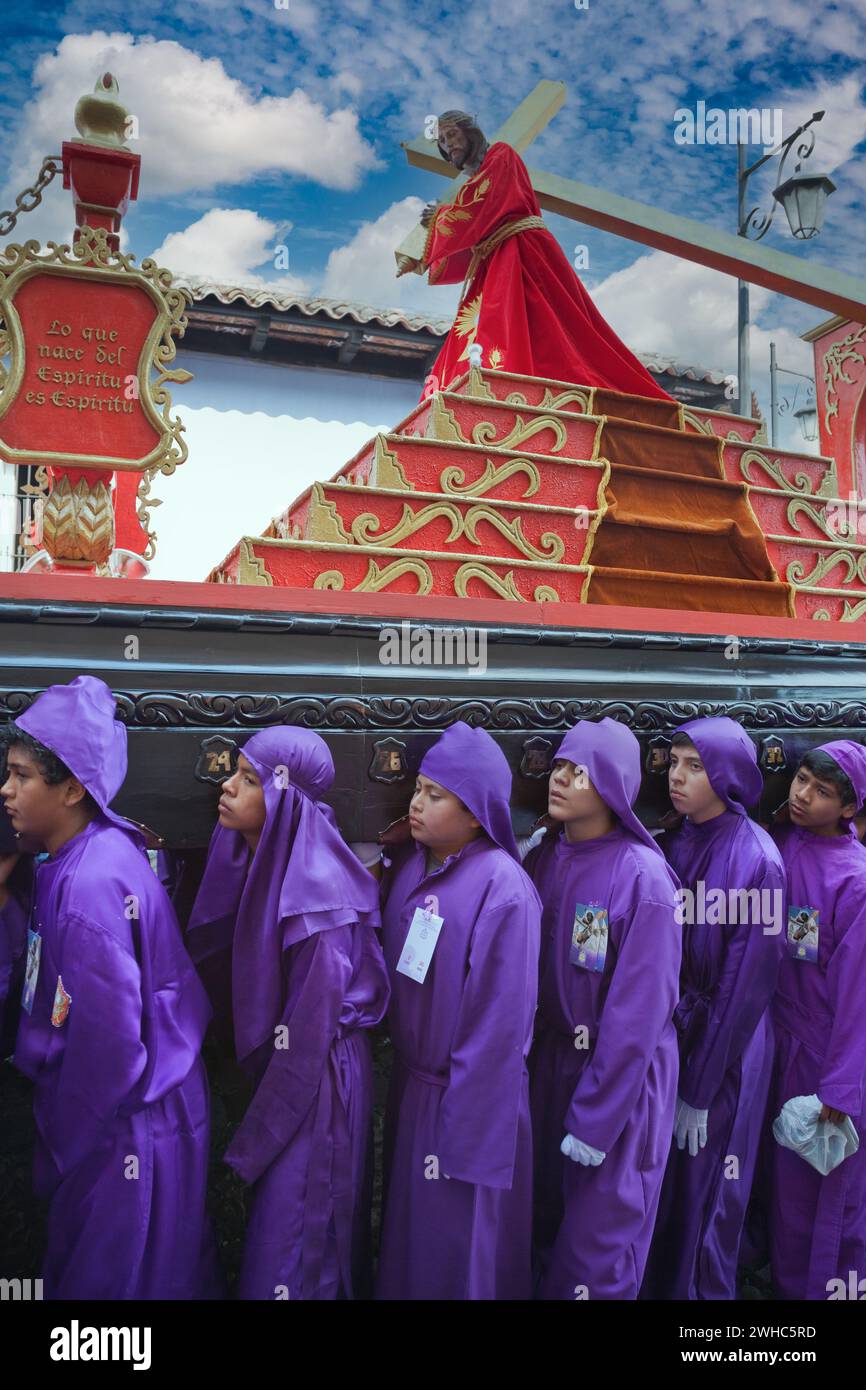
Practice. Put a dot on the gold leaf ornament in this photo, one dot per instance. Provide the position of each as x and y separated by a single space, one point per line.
78 522
378 578
485 433
453 479
366 526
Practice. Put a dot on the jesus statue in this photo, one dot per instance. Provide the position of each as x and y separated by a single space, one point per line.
522 302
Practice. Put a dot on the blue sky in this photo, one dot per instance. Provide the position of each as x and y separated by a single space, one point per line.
261 125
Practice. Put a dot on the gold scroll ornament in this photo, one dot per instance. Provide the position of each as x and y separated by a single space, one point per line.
378 578
773 468
503 588
453 479
853 561
366 529
444 426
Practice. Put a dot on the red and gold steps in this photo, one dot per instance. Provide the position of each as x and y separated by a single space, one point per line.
544 491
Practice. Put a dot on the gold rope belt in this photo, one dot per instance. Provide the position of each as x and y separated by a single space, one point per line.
490 243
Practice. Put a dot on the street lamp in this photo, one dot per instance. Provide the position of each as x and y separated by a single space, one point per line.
803 196
806 416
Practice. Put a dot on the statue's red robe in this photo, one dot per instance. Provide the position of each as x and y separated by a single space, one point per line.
523 304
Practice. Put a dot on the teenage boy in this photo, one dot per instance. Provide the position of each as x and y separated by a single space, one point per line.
732 911
604 1066
461 936
113 1017
818 1223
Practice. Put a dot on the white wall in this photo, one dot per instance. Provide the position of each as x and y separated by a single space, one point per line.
8 513
258 434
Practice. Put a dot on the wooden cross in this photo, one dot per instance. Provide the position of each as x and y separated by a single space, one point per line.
806 281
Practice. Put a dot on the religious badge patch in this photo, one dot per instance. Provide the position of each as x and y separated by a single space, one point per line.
420 944
589 937
62 1000
803 933
34 955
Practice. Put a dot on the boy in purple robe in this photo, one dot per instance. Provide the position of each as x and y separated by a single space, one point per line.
297 912
461 938
112 1022
818 1223
732 909
604 1065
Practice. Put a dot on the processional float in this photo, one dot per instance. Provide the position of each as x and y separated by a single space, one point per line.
616 555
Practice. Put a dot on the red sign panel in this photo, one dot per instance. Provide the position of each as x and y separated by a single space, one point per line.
79 393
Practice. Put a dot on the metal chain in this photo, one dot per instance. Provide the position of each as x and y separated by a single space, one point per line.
31 197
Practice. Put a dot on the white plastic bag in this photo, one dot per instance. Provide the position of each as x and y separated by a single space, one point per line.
820 1143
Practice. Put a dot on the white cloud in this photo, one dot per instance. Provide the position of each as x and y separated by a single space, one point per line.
841 130
637 303
364 269
228 245
198 126
702 332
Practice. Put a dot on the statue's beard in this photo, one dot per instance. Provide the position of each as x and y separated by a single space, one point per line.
472 155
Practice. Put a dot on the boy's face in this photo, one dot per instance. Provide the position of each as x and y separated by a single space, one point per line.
37 808
690 789
242 800
816 805
571 795
438 819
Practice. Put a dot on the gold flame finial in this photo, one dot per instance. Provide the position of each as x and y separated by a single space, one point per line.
100 119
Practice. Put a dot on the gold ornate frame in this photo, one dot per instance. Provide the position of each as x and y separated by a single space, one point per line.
91 258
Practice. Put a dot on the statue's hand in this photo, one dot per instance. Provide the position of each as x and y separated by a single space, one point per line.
428 214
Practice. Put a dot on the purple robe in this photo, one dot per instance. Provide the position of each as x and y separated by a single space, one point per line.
457 1206
614 1087
308 981
729 975
818 1224
121 1098
305 1138
112 1042
459 1097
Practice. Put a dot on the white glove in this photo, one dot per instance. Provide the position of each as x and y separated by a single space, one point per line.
691 1123
525 843
578 1152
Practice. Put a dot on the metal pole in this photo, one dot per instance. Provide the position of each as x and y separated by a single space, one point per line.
744 383
773 394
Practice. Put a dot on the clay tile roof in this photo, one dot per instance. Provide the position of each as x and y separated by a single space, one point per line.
257 298
669 366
